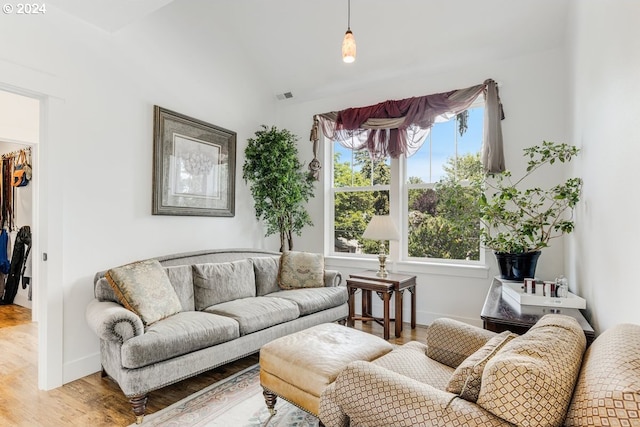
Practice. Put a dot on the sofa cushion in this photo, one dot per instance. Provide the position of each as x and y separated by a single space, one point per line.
144 288
215 283
181 278
176 335
451 342
266 272
312 300
467 377
411 361
254 314
531 380
301 270
608 388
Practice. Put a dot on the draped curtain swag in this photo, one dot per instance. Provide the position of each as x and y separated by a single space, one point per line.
395 128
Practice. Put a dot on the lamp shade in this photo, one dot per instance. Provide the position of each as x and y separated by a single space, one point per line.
348 47
381 227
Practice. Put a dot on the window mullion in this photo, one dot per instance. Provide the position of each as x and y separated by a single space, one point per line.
396 196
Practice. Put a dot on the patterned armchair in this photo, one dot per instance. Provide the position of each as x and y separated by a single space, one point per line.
466 376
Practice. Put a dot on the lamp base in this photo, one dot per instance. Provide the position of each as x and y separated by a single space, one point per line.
382 272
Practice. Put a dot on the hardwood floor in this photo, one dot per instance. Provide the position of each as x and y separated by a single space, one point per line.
93 401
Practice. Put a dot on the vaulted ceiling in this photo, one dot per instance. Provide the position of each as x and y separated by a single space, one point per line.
295 44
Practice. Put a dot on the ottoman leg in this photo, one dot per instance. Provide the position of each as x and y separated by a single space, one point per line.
270 400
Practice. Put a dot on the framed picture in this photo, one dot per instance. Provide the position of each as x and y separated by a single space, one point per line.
194 166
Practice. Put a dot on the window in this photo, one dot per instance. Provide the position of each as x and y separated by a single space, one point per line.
437 195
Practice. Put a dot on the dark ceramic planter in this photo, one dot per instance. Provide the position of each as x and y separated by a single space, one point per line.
517 266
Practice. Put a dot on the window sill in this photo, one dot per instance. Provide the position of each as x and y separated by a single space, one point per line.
413 267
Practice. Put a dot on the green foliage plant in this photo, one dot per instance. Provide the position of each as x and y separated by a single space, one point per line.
519 220
444 221
278 182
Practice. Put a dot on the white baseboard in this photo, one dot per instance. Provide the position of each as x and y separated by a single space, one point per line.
82 367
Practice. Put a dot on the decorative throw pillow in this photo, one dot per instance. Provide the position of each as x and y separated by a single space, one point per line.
215 283
531 380
144 288
467 377
301 270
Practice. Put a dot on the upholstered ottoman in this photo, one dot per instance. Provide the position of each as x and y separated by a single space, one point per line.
298 367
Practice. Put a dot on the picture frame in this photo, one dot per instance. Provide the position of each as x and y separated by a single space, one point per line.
194 166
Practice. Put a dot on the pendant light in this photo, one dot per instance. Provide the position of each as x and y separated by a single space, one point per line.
349 42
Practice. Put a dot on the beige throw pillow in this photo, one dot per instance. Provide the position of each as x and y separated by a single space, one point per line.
301 270
531 380
467 377
144 288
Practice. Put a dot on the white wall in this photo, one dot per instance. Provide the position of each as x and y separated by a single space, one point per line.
100 90
605 70
533 91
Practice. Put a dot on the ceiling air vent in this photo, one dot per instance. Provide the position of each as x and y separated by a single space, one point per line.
286 95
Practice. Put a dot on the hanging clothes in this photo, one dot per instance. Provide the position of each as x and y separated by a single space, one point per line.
21 249
4 254
6 204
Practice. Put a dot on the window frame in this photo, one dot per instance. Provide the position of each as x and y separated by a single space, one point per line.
398 207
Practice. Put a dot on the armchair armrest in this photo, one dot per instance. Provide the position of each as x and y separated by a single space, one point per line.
332 278
368 395
112 322
451 342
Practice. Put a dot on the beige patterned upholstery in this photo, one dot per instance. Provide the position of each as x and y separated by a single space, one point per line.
537 379
466 379
608 389
411 361
450 341
531 380
365 394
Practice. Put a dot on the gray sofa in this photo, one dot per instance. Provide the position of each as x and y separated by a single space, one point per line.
144 358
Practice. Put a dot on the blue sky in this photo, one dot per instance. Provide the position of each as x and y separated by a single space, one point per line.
442 147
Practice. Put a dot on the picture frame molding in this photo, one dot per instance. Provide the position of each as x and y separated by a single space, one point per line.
166 178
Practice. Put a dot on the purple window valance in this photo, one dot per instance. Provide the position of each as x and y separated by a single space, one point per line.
396 128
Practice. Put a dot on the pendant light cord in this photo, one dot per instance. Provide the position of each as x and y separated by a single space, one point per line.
349 15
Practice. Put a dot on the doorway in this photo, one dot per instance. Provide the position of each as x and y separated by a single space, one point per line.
16 224
20 133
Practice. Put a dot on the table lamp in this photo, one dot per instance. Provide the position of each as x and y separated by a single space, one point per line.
381 227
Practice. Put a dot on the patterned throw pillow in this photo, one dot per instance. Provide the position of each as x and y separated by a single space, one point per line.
144 288
467 377
301 270
531 380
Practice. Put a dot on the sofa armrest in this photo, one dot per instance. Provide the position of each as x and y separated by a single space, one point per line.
332 278
451 342
393 399
112 322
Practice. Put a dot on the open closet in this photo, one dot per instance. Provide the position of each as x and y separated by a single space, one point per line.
16 213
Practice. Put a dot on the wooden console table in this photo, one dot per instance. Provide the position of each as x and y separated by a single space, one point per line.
394 283
499 315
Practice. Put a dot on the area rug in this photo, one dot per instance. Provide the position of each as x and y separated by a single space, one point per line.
234 401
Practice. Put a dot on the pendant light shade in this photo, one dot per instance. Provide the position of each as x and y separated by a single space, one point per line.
349 42
348 47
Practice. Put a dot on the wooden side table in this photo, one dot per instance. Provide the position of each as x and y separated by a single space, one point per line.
499 315
400 283
384 291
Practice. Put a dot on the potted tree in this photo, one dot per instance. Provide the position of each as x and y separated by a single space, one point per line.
278 184
519 222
